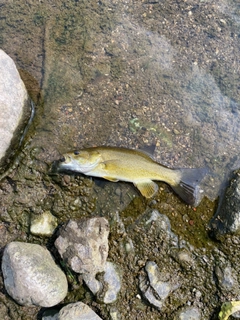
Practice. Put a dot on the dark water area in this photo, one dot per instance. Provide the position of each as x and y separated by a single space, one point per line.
131 74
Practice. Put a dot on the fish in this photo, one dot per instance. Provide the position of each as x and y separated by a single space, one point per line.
135 166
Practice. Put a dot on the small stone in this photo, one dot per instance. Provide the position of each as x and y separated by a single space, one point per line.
92 283
155 285
77 311
112 279
43 224
227 279
188 313
162 288
31 276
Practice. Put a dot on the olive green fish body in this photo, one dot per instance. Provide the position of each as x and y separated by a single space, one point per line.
134 166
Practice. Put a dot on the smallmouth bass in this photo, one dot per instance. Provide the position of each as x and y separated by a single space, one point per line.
122 164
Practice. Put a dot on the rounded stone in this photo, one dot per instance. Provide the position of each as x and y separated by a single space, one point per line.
15 109
31 276
77 311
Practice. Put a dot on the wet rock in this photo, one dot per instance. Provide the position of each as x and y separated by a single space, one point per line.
77 311
31 276
83 245
155 285
43 224
15 109
163 225
227 217
189 313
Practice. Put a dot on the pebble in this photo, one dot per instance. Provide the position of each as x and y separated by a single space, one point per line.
77 311
155 285
31 276
189 313
43 224
113 283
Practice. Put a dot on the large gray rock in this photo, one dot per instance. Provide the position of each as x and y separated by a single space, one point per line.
84 245
15 109
31 276
77 311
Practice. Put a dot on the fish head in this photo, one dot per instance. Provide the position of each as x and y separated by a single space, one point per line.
80 161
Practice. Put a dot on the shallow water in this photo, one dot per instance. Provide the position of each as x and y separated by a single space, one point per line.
134 74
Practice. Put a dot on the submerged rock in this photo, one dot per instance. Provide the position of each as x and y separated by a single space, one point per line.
15 109
227 217
77 311
31 276
83 245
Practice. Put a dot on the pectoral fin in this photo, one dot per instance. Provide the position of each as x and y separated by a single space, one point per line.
147 188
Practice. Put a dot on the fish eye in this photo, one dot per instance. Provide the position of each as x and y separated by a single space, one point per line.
62 159
76 152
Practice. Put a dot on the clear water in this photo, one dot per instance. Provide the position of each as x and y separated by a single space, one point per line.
134 73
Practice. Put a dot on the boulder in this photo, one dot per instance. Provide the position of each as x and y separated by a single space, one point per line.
15 110
31 276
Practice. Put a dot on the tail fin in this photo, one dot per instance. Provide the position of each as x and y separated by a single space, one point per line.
188 188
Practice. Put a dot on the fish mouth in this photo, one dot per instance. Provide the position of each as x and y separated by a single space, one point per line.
63 159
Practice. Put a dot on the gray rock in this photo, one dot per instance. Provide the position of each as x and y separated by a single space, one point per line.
91 282
155 285
77 311
15 109
31 276
189 313
83 245
108 286
112 282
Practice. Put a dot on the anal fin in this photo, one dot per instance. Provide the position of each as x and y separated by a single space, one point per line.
111 179
148 188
